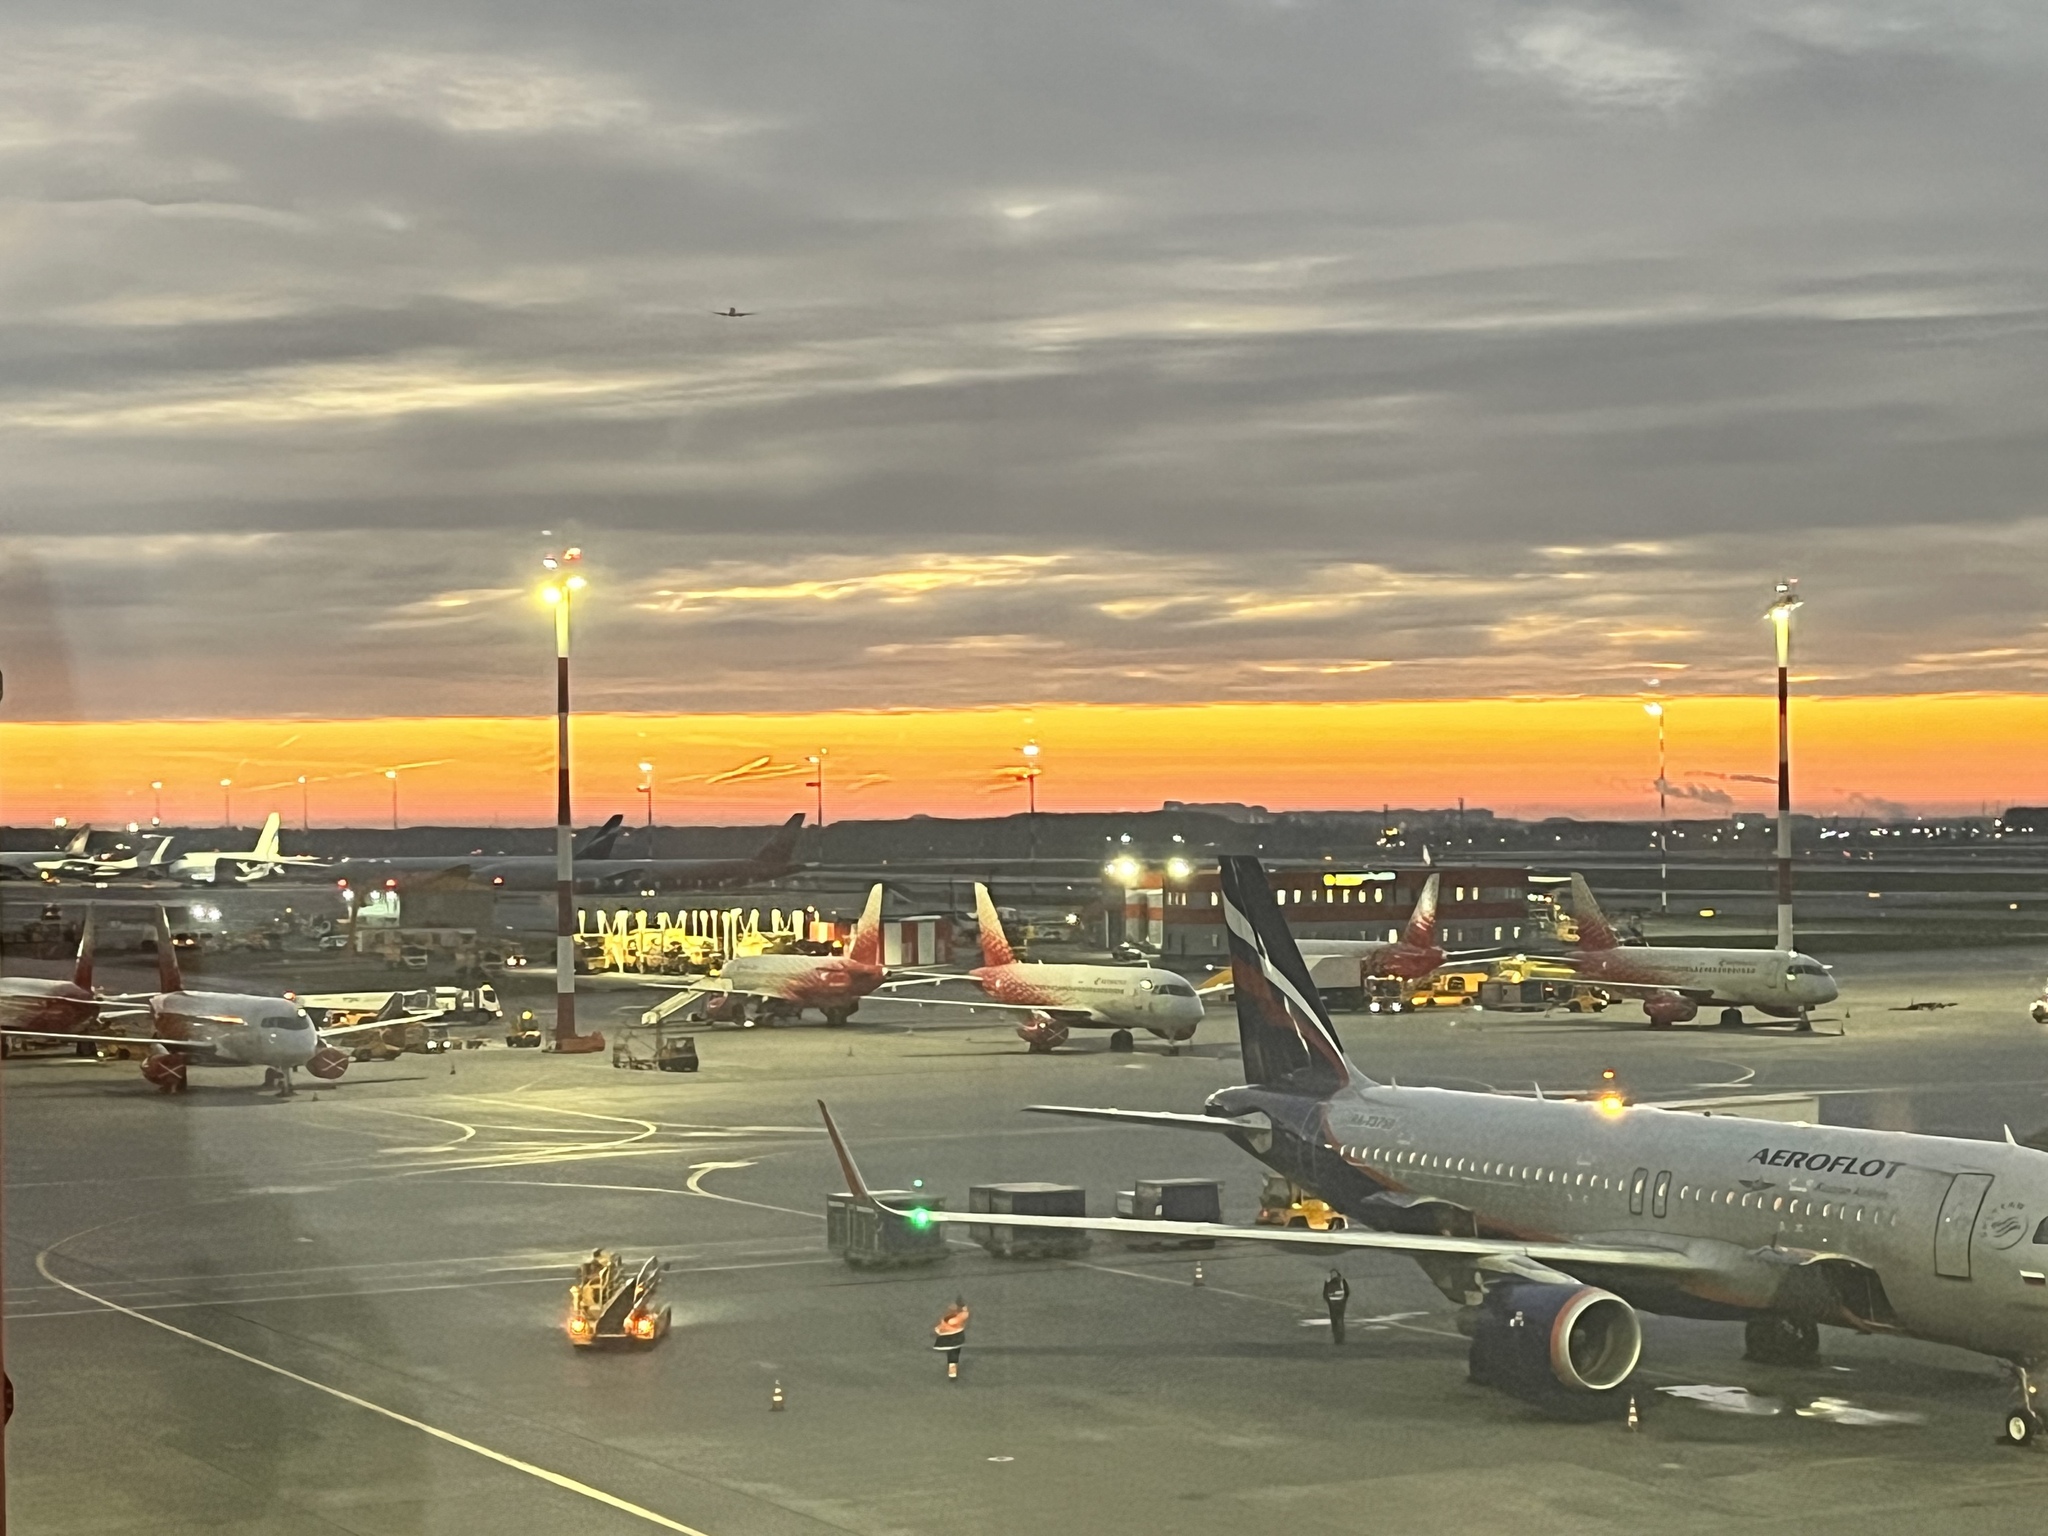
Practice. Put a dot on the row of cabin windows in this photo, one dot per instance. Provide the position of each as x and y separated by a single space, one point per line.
1660 1196
1341 896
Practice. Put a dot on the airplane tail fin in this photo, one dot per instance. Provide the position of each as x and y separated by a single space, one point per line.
781 848
865 947
1286 1033
266 843
995 944
1595 932
159 855
79 839
1421 930
169 978
599 844
81 973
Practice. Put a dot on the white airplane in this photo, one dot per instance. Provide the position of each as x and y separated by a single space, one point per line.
1674 984
1056 999
213 1029
204 867
1555 1223
755 989
45 865
147 865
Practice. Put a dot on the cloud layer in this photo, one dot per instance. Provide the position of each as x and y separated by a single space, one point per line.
1142 353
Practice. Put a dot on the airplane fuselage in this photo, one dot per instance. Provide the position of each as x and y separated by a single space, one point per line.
1112 996
829 983
230 1029
61 1007
1776 980
1375 959
1941 1238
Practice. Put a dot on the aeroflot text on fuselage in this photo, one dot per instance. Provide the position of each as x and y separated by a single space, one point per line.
1822 1162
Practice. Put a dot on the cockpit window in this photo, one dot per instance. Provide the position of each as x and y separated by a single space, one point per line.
1176 989
1806 968
2041 1232
296 1019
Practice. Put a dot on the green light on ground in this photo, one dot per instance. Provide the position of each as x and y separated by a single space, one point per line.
920 1217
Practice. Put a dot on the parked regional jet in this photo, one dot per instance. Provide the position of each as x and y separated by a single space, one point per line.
45 864
758 989
1056 999
36 1006
1553 1221
596 869
213 1029
250 864
1674 984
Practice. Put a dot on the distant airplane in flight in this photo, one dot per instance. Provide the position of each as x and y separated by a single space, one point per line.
732 314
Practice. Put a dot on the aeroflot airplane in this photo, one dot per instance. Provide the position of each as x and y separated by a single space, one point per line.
1674 984
1554 1221
1056 999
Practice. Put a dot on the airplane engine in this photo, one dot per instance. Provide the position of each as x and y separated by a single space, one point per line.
327 1063
1668 1008
1565 1348
1041 1032
166 1070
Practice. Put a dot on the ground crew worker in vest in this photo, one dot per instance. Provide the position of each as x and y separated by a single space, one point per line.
950 1337
1336 1292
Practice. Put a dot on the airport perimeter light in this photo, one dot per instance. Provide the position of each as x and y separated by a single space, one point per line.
563 582
227 804
156 788
305 815
647 789
1783 605
817 762
392 775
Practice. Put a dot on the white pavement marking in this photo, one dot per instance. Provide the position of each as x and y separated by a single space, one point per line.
543 1474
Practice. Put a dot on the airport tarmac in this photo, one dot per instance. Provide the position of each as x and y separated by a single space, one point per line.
344 1312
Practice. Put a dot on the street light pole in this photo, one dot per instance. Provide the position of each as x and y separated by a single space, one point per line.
392 775
1782 607
305 815
817 762
1031 772
227 803
156 789
559 591
1656 710
647 789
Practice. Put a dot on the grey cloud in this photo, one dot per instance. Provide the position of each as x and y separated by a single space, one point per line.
1296 334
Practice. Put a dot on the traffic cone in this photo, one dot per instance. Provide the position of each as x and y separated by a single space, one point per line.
1198 1276
1634 1420
775 1399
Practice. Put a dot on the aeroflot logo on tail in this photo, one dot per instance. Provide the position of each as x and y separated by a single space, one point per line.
1820 1162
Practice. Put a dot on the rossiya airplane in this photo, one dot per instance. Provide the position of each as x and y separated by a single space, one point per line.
33 1005
1552 1222
213 1029
1674 984
250 864
755 989
1056 999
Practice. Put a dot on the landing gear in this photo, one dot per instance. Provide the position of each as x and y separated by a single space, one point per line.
1731 1018
1805 1024
835 1018
1774 1339
1122 1041
279 1078
2022 1422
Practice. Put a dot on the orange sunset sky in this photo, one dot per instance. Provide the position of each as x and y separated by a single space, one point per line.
1523 756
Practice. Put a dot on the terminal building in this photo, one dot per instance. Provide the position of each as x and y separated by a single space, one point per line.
1477 905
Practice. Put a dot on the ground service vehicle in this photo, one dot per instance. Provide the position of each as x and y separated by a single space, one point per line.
607 1302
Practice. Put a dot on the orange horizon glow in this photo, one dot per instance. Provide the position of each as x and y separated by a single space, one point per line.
1526 757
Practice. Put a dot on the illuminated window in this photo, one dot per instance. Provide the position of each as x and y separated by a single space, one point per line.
1778 1204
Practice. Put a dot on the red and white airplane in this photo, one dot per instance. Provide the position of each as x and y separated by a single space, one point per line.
207 1029
32 1005
1673 984
1412 957
759 989
1057 999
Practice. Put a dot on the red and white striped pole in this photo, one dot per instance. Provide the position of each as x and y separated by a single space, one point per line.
1781 620
563 585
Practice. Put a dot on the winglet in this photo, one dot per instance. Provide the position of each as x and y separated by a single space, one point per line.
855 1184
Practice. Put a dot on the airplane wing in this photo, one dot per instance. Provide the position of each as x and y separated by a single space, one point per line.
183 1047
1526 1259
1050 1010
383 1023
1148 1117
